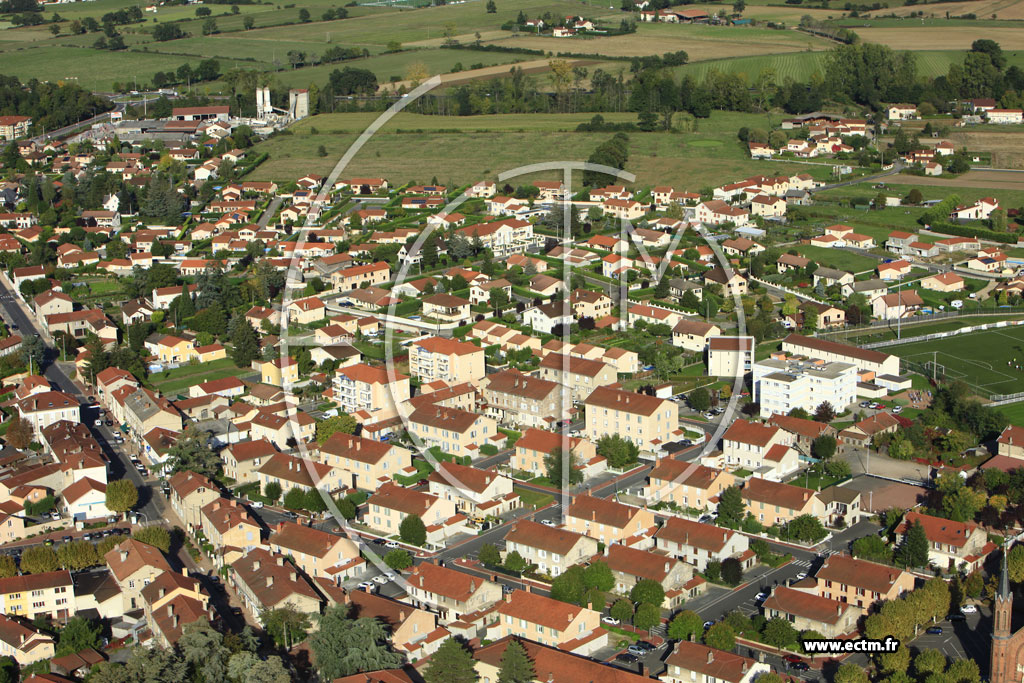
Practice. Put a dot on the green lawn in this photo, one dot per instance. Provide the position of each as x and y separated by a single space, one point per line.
984 360
837 258
461 150
1014 411
186 376
533 498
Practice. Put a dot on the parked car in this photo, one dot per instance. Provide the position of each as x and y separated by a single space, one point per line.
627 658
934 630
389 576
367 585
897 410
637 649
256 504
391 544
55 515
761 597
969 609
801 576
380 579
97 423
956 617
792 659
799 666
611 621
708 624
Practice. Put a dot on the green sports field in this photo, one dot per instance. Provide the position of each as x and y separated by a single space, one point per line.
985 360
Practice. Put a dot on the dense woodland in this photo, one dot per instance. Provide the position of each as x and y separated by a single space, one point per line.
51 105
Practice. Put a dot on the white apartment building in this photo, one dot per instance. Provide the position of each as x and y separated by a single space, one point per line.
780 385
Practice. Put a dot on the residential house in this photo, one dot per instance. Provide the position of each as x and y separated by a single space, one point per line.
551 550
644 420
606 520
449 592
771 502
697 544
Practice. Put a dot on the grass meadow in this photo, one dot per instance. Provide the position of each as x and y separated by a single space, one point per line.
466 149
991 370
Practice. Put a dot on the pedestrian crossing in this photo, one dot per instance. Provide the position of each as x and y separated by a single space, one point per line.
806 564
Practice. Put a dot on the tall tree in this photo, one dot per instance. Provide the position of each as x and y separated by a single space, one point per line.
19 432
515 666
344 646
730 508
914 550
192 452
245 344
78 634
452 663
413 531
121 496
554 465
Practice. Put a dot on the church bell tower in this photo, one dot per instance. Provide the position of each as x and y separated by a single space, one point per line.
1001 633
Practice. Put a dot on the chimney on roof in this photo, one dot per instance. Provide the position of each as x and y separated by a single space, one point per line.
508 597
124 555
745 666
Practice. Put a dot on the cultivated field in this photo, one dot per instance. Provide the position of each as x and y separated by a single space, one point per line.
995 181
994 371
953 37
465 149
1003 9
700 42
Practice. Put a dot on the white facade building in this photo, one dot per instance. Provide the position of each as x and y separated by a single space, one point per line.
782 385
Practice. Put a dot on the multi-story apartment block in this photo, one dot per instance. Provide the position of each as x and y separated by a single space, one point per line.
552 550
645 420
451 361
580 375
782 384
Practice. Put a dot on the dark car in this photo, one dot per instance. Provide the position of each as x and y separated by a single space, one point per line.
627 658
934 630
799 666
646 645
956 617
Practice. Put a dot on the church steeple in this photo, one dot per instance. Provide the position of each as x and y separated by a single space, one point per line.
1000 668
1004 578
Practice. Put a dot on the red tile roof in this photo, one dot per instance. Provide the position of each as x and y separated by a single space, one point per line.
538 609
626 401
753 433
939 530
775 493
712 663
803 604
852 571
537 535
689 533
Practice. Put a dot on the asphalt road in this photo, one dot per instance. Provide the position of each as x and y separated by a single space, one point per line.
120 464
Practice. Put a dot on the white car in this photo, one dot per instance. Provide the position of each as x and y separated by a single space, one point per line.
98 423
256 504
611 621
367 585
801 576
968 609
391 544
548 522
380 579
389 576
761 596
897 410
